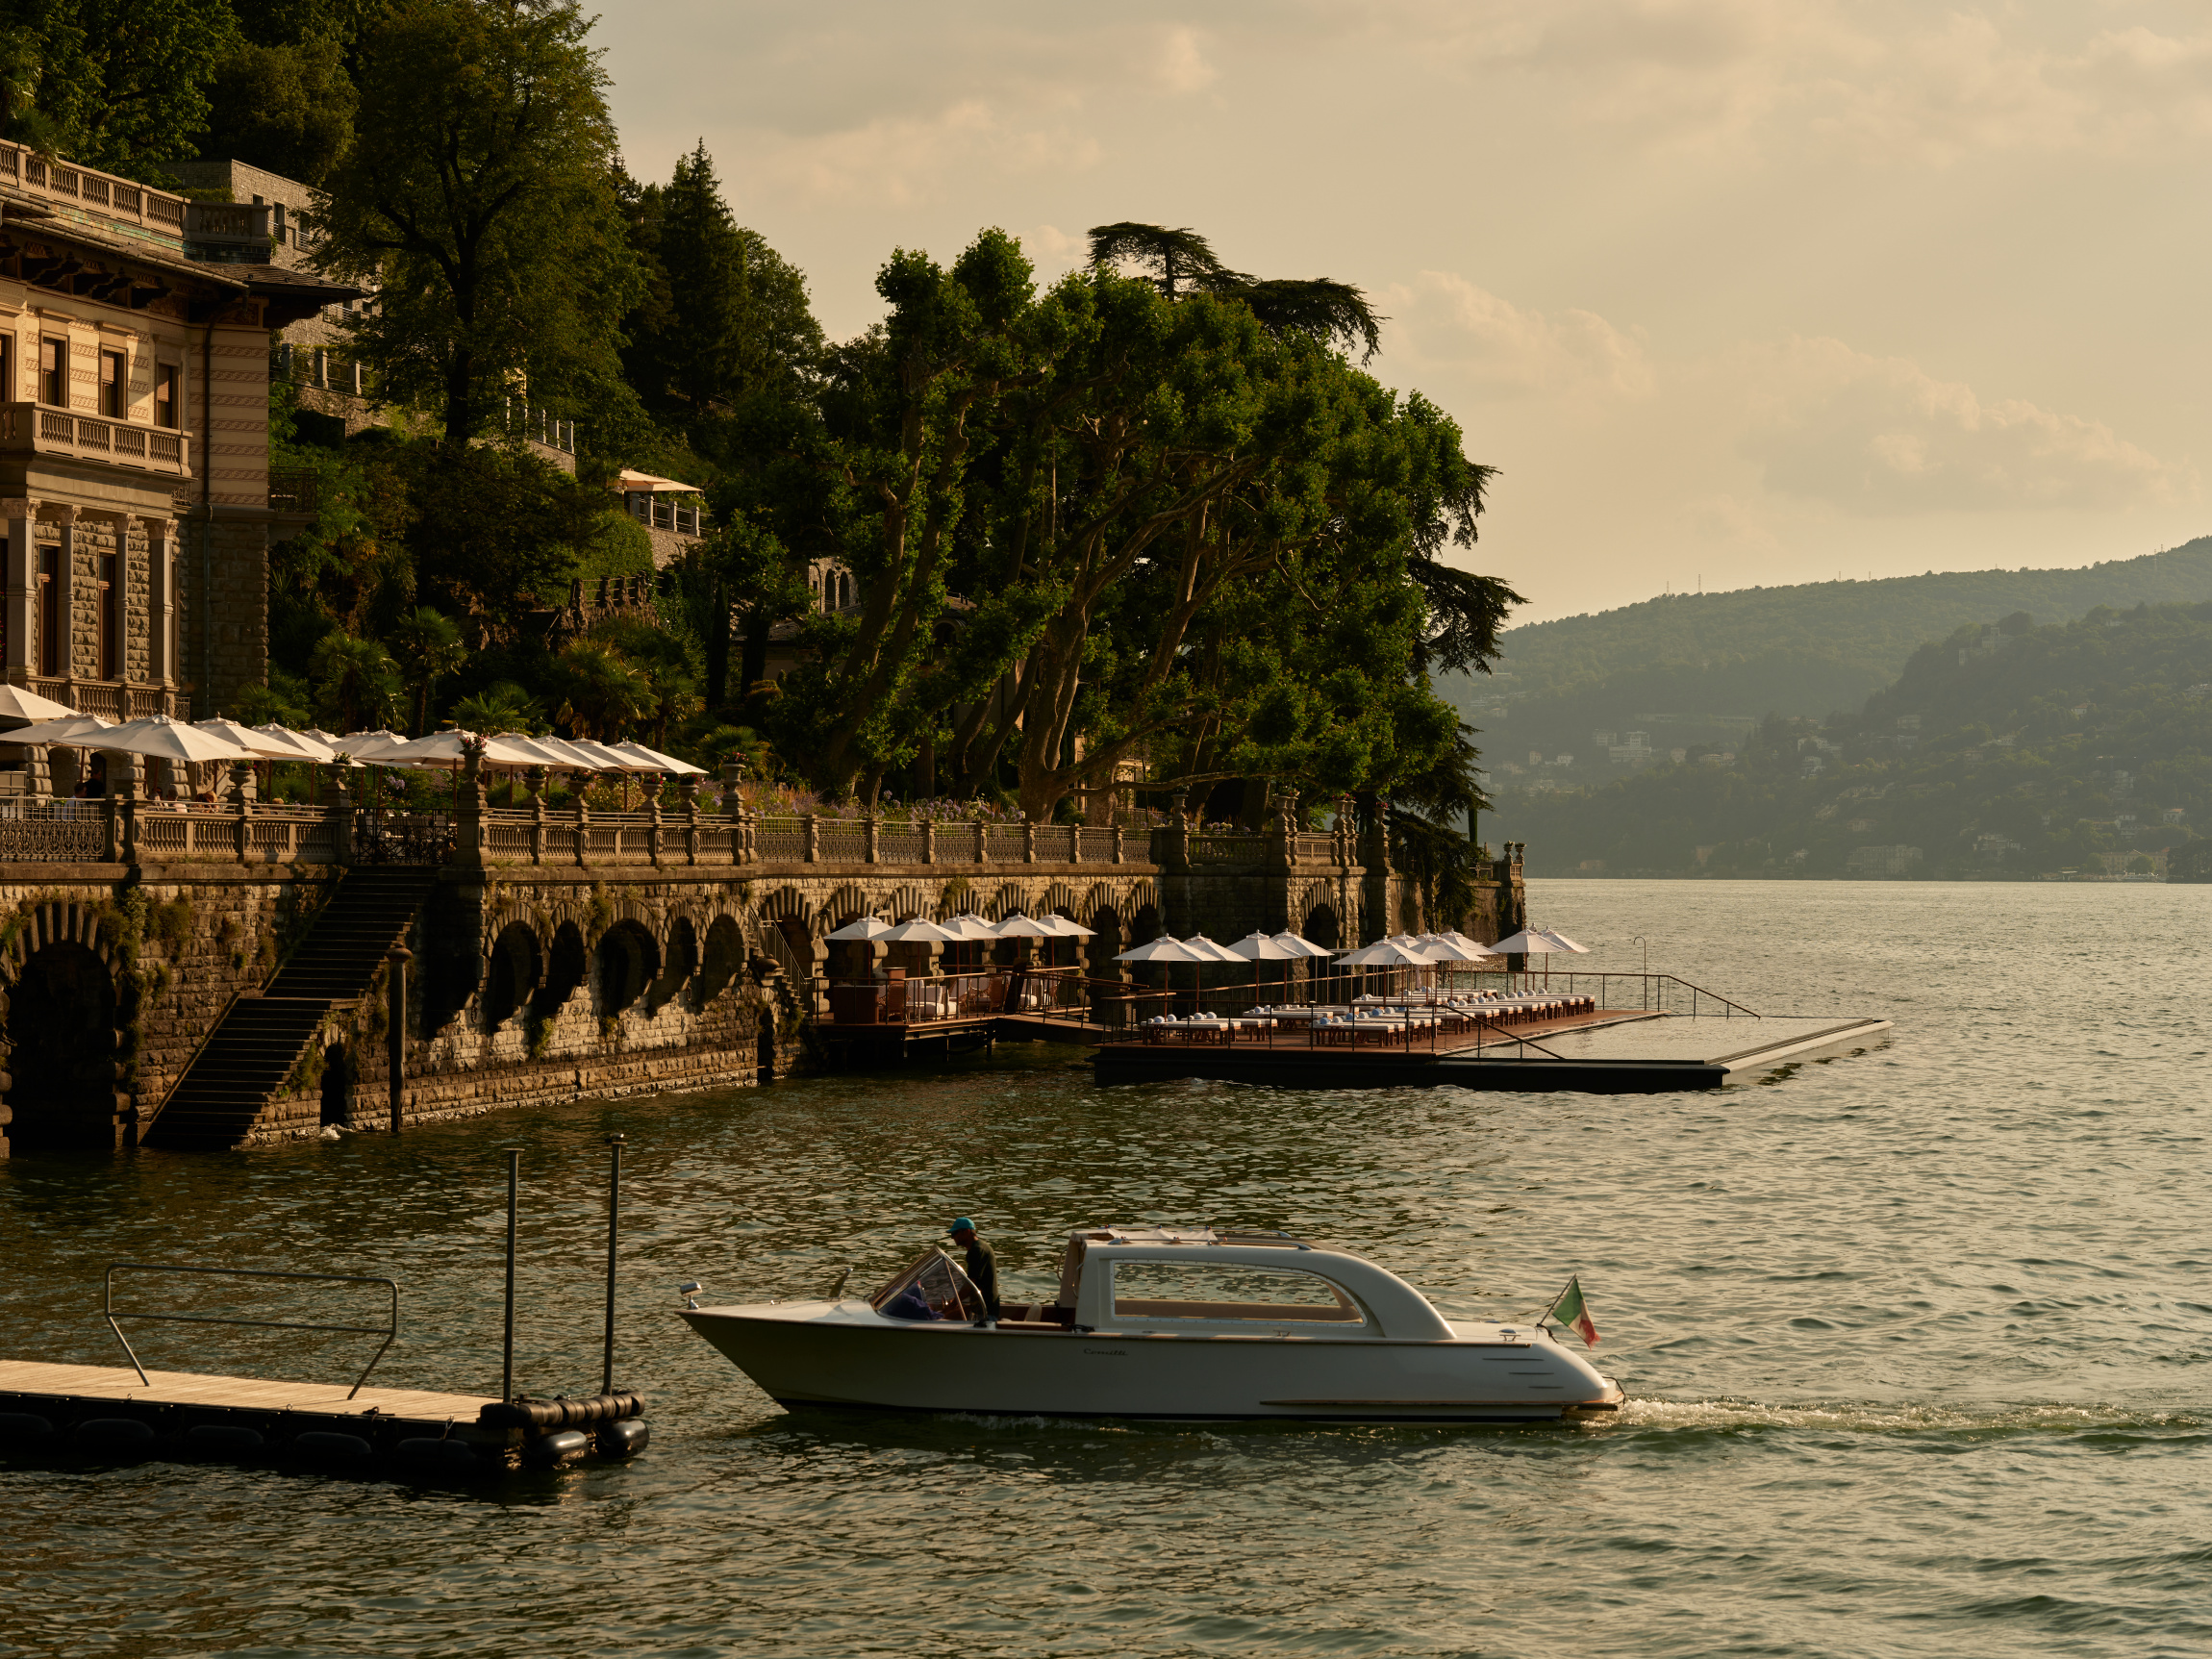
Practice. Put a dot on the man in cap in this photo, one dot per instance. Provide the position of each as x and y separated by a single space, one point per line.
982 1265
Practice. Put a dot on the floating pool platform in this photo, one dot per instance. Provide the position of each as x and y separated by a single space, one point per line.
1608 1051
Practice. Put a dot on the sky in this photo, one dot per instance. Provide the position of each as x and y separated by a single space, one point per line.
1731 292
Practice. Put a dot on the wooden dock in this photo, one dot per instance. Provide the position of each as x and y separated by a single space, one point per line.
52 1409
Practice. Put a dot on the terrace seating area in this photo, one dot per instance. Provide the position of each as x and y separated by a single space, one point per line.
1431 1019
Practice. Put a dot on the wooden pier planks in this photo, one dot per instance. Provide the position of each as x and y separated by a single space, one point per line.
122 1384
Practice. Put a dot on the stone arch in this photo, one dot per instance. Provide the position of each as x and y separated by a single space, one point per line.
629 959
787 929
956 898
721 958
513 969
61 1010
567 962
1322 925
1003 903
905 902
848 902
679 961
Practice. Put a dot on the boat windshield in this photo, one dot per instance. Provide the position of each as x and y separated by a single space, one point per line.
930 1287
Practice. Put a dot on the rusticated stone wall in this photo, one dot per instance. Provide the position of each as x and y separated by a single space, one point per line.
531 984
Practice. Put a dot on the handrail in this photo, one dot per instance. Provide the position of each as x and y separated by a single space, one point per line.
112 1313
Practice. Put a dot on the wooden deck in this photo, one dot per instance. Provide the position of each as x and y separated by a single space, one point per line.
191 1389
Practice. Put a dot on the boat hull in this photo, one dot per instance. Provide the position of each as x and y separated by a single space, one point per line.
827 1356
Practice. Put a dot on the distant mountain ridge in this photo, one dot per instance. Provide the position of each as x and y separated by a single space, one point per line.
2002 750
1803 650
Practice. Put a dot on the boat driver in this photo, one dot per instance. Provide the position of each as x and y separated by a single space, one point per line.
982 1265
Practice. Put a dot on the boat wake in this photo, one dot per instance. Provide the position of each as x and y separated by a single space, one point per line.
1869 1418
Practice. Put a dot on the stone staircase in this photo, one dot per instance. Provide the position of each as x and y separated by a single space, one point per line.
253 1052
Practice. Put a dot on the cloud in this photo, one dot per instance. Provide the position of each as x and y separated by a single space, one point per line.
1182 66
1879 434
904 159
1497 349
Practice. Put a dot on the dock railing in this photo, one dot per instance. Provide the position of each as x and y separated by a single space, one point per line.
389 1331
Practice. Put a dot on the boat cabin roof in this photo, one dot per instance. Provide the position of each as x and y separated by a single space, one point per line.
1123 1233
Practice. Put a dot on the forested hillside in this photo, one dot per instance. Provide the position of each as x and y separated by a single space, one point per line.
1804 650
2005 750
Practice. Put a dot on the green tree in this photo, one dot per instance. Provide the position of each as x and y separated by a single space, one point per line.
286 108
723 317
479 194
500 707
112 86
427 645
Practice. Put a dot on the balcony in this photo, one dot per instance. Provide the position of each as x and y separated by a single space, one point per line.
102 199
52 432
37 430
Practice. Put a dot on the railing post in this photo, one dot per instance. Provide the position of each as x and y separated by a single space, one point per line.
871 844
653 826
982 843
468 806
928 841
689 789
810 828
583 828
1028 839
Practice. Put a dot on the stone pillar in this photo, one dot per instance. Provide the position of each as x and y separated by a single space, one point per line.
469 805
242 798
929 843
869 827
395 1031
653 819
582 829
534 780
66 601
688 790
810 828
19 520
1028 841
161 602
982 842
337 808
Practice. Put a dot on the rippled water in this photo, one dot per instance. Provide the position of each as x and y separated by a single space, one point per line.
1918 1342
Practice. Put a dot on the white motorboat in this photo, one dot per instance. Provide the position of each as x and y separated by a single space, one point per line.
1152 1322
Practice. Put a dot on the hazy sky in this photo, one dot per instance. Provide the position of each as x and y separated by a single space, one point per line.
1738 291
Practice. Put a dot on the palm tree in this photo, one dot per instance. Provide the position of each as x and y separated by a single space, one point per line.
429 647
357 681
600 692
504 707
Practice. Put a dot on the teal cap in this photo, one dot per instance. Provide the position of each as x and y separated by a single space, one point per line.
961 1224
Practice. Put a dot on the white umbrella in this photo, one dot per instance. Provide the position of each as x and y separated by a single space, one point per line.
866 928
1301 945
1530 943
1161 949
608 759
659 762
1257 948
1438 948
18 704
260 743
918 931
448 749
71 731
968 926
164 739
566 755
1563 942
368 746
1206 950
1019 926
303 747
1384 953
1063 928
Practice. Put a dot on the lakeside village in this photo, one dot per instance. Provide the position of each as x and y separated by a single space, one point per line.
449 672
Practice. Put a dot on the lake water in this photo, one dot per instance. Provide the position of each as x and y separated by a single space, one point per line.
1918 1344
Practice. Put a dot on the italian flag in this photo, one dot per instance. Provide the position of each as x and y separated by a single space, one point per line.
1571 1310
